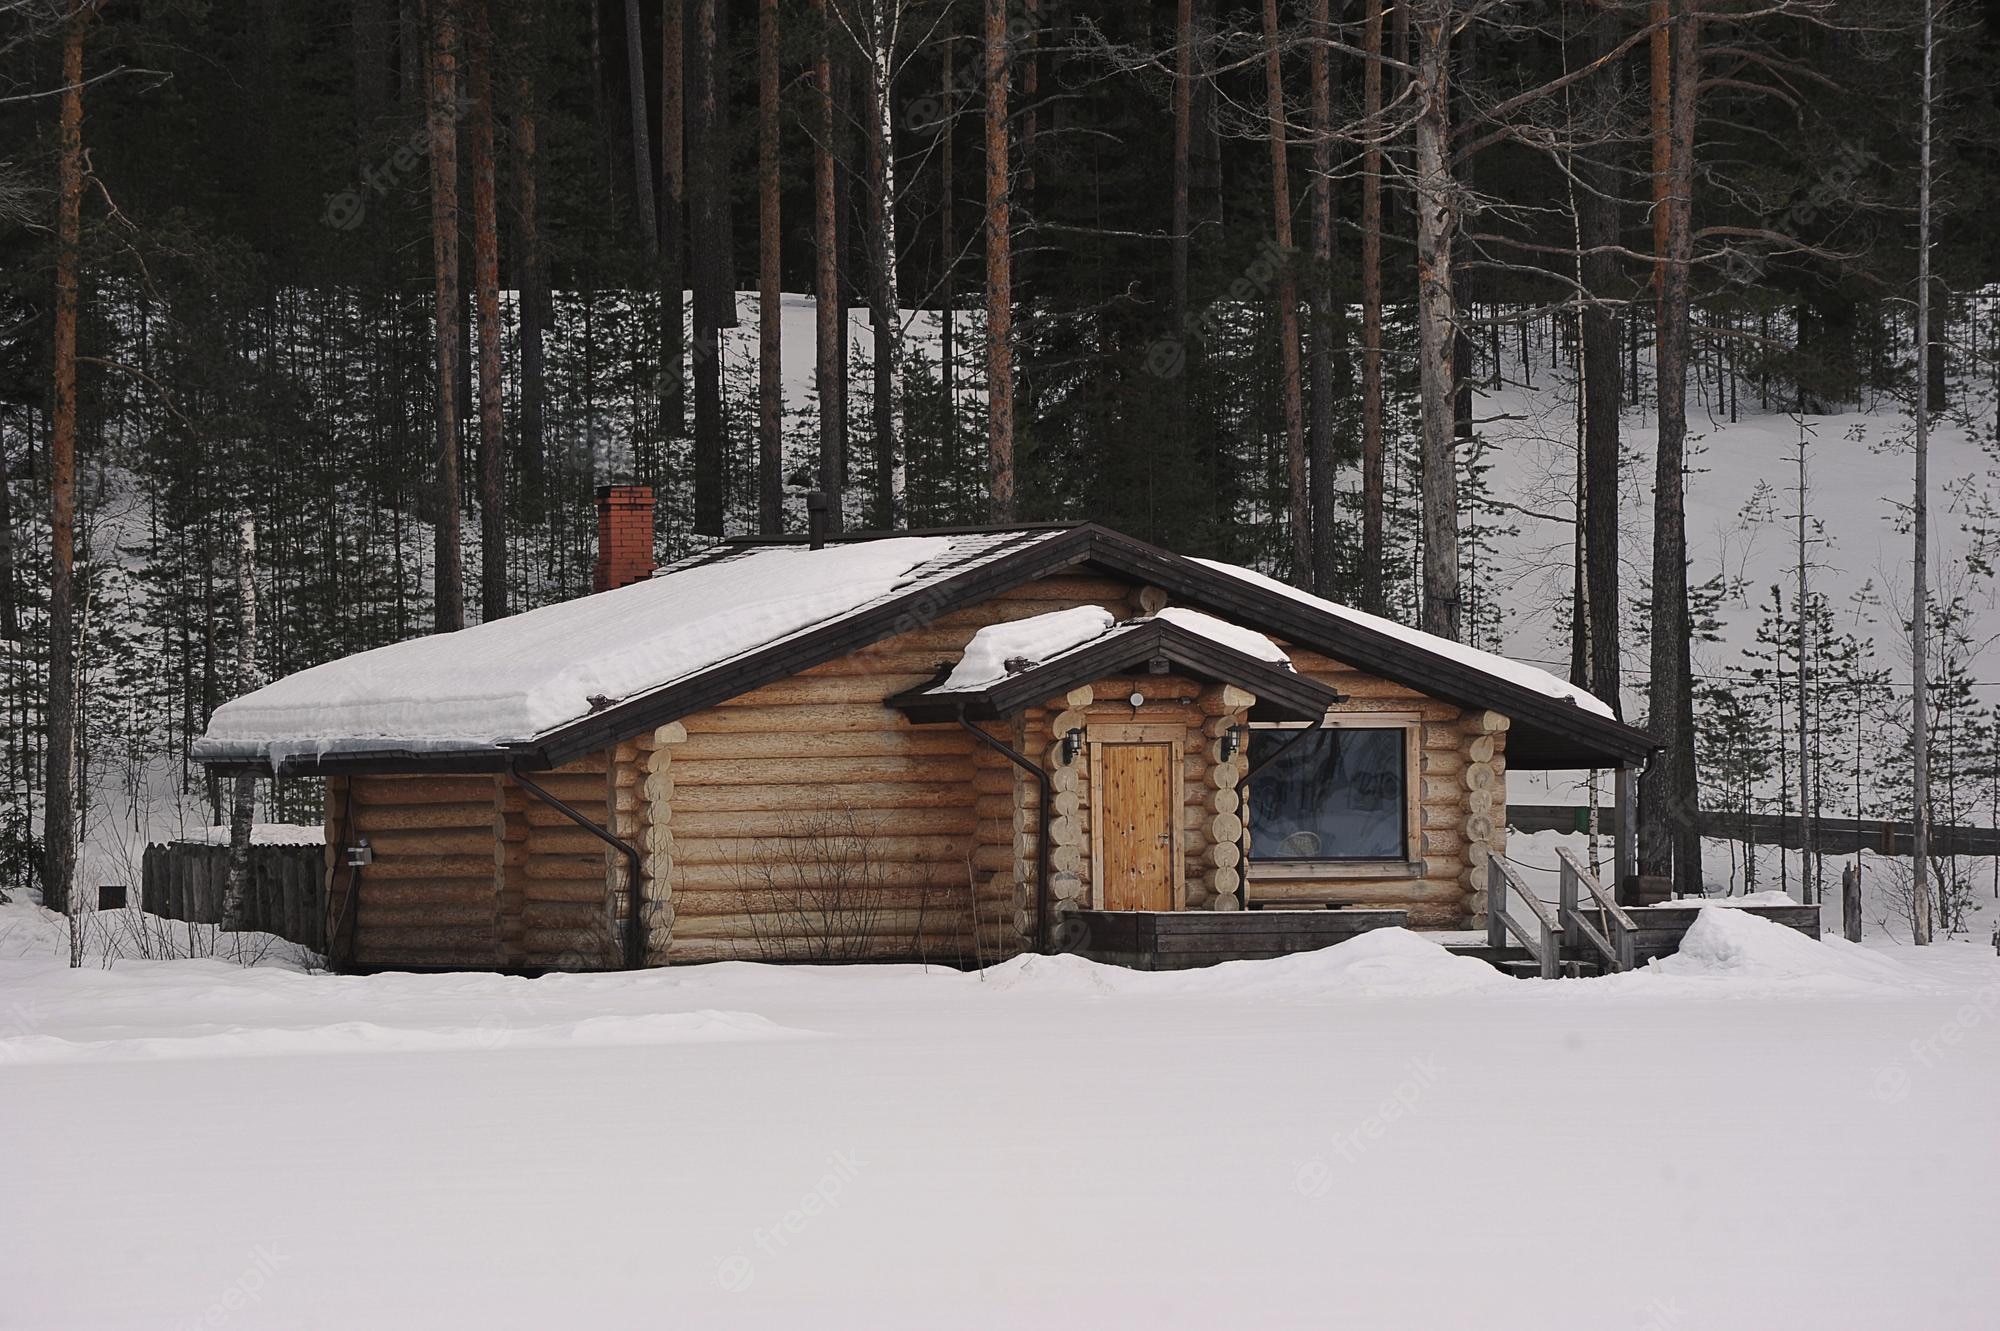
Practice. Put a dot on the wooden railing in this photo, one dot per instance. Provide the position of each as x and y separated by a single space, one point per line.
1612 934
1503 887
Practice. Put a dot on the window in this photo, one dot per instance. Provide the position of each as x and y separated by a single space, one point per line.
1340 793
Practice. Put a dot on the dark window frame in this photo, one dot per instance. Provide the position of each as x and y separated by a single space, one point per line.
1410 725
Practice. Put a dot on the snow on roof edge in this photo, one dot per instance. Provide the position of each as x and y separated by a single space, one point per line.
1488 663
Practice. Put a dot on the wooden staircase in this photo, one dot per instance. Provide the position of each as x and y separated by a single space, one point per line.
1586 934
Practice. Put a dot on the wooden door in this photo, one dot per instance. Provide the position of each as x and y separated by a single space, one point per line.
1138 795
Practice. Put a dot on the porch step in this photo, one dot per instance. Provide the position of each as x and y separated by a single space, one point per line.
1529 969
1515 961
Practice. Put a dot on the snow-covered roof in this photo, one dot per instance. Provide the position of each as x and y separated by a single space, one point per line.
554 683
261 834
513 679
1004 649
1500 667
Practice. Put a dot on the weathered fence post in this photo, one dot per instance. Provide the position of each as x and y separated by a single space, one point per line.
1850 903
1496 904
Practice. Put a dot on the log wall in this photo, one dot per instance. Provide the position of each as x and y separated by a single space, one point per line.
763 784
736 811
429 898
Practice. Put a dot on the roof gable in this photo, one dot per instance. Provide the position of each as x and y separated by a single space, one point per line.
1134 643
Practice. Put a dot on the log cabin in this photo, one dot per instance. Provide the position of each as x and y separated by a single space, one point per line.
953 745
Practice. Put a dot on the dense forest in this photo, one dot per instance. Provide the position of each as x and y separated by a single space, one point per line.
385 288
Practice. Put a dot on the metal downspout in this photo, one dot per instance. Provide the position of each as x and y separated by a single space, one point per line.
635 939
1021 761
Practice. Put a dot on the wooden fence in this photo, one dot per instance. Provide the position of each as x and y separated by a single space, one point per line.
186 880
1835 836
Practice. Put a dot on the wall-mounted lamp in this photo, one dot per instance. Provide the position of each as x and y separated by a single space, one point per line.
360 855
1072 744
1232 742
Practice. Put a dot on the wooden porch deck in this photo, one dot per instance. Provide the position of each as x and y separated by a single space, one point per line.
1181 940
1151 940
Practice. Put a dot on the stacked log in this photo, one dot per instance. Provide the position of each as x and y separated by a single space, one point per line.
510 839
1215 867
1484 777
1069 809
656 837
567 909
749 798
428 899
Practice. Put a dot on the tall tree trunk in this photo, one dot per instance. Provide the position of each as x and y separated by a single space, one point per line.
673 216
642 148
830 319
243 805
1661 64
10 601
1436 202
714 271
443 116
1325 314
1183 145
1373 599
948 255
534 294
770 314
59 793
883 312
373 22
486 285
999 272
1921 923
1298 511
1670 844
1597 226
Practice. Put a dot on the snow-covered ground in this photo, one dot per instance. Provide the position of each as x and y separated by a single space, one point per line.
1762 1132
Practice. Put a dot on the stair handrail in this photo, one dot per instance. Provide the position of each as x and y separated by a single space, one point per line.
1500 921
1619 949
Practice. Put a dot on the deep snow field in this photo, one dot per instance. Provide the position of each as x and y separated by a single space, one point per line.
1763 1132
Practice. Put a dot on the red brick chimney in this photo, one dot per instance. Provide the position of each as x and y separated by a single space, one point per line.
624 536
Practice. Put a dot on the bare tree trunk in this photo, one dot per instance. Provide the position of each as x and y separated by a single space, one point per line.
999 271
673 215
1662 112
770 313
1372 596
528 261
948 253
1298 514
1325 314
1597 225
883 313
486 286
59 795
1436 202
243 807
831 319
714 275
1921 925
1670 842
1183 142
642 149
443 116
10 603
